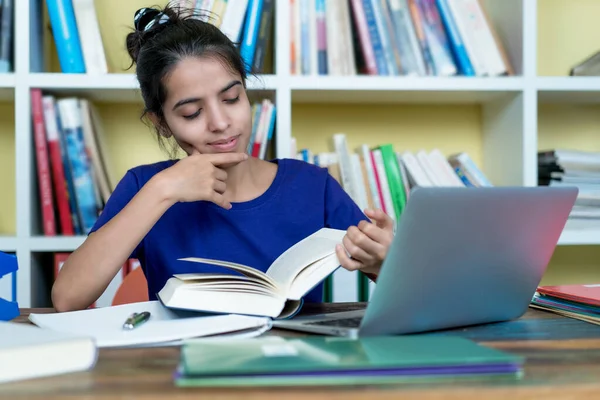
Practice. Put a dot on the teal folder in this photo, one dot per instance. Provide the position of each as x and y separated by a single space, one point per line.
331 360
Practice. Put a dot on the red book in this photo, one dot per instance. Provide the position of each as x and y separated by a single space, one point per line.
43 165
586 294
56 162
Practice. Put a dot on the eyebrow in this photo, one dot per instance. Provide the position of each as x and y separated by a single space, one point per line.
196 99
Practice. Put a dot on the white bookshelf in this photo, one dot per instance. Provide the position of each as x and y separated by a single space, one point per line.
509 115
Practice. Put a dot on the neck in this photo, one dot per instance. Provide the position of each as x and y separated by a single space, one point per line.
240 181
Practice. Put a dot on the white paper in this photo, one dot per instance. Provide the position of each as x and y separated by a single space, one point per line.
165 326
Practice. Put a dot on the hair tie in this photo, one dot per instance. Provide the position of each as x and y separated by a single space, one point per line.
146 18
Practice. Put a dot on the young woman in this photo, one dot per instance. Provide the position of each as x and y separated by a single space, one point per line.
216 202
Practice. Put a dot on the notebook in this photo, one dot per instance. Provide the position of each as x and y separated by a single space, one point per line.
276 361
27 352
165 326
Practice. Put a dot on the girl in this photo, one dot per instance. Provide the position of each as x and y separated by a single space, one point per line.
216 202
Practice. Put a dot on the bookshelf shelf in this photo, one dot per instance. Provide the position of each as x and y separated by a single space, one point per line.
58 243
580 237
114 88
8 244
575 90
385 89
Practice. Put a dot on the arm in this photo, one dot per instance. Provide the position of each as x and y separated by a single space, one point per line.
128 216
89 269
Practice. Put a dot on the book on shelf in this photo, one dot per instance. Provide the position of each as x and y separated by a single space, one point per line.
276 293
80 48
569 167
395 37
7 36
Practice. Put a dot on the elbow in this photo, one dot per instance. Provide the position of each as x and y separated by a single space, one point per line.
61 300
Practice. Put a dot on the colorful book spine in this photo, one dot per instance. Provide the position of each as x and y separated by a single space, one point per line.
66 35
250 35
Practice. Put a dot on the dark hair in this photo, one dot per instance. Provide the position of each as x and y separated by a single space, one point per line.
163 37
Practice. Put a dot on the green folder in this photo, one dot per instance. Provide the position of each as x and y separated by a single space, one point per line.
325 360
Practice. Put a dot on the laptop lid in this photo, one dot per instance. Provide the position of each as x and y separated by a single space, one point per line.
464 256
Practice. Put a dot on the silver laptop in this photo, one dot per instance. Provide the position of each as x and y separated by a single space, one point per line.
460 256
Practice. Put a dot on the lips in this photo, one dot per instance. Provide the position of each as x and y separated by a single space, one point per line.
227 144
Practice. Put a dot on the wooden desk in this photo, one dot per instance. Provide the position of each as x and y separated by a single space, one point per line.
563 361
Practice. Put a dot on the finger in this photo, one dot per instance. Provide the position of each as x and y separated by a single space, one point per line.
220 200
220 174
227 158
219 187
371 238
381 219
375 232
345 261
355 251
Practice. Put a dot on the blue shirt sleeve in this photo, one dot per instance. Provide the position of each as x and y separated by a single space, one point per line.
341 211
125 190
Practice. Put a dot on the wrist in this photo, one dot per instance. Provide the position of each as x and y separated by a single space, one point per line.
161 189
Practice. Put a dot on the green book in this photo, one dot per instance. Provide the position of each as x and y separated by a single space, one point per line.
328 360
394 177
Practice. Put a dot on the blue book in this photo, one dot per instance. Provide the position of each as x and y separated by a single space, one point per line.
250 35
456 44
8 265
66 35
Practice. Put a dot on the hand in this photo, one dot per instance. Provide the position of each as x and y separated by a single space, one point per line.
367 244
201 177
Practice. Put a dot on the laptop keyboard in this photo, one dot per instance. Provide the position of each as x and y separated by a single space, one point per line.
342 322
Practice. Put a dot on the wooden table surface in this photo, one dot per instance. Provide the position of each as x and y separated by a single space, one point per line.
562 362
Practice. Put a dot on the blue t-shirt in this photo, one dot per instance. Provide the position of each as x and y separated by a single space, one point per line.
301 199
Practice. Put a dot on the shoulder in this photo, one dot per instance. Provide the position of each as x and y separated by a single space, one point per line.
143 173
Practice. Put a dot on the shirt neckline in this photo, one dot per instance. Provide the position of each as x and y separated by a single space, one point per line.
265 196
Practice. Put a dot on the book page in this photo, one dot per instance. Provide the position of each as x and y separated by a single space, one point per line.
260 277
312 275
313 248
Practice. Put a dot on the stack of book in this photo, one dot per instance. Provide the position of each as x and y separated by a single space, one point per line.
562 167
321 361
575 301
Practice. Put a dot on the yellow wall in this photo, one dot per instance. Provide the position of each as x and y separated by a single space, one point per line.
574 126
406 126
7 170
568 33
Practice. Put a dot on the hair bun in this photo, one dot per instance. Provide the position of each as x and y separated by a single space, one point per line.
145 17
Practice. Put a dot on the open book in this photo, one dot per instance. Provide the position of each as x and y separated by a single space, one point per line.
277 293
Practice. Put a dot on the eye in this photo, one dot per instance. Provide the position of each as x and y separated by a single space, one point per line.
192 116
231 101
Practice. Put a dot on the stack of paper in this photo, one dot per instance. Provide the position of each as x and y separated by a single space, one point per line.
575 301
165 326
324 360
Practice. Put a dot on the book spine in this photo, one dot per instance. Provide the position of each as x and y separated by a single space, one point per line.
362 27
382 68
264 35
456 43
6 36
250 35
66 35
79 162
91 40
43 166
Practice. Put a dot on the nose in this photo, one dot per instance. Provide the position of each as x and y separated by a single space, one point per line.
218 121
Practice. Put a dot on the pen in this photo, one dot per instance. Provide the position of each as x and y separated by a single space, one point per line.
136 319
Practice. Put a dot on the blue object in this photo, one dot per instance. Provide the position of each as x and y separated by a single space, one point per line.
8 309
301 199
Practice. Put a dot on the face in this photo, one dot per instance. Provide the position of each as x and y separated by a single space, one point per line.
207 109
